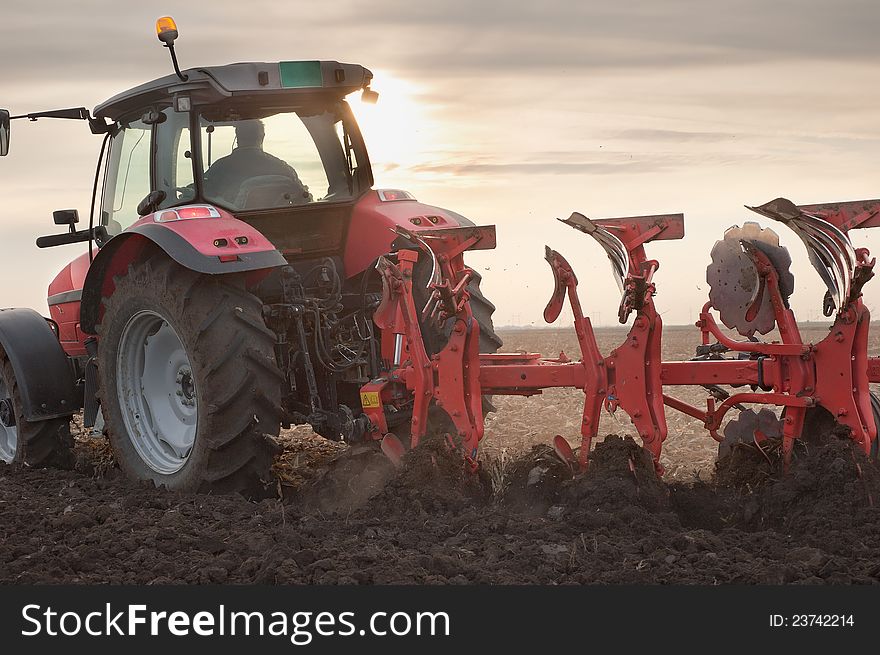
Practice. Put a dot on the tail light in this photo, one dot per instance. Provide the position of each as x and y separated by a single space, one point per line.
393 195
186 213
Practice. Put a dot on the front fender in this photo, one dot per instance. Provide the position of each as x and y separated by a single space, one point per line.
189 242
42 373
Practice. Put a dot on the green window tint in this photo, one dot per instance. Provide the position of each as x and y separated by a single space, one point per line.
301 74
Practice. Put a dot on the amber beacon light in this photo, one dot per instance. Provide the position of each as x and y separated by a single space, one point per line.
166 30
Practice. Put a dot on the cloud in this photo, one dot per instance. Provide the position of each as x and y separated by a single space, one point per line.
556 163
593 35
539 168
671 136
92 40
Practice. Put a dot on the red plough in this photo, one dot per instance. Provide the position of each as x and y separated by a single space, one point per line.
750 287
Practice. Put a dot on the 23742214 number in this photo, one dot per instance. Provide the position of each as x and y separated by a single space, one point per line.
812 621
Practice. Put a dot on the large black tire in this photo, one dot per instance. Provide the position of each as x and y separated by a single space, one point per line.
483 309
37 443
435 339
237 384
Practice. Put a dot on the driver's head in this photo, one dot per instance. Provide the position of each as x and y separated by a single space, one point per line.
250 133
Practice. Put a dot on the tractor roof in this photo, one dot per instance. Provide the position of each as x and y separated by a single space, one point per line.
212 84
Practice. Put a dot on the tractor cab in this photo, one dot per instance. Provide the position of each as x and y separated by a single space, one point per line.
255 139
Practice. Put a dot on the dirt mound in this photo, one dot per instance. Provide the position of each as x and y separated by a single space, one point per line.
829 481
749 466
620 474
434 477
532 481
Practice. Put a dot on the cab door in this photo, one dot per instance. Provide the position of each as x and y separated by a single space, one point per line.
126 181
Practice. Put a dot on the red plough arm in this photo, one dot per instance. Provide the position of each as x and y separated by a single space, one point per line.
840 362
630 377
450 378
456 378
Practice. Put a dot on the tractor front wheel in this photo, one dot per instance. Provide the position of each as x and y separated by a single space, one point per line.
190 391
32 443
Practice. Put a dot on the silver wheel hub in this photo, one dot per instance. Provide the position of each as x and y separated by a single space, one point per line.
8 429
157 392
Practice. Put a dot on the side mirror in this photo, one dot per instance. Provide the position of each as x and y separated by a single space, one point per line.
4 132
66 217
151 202
153 117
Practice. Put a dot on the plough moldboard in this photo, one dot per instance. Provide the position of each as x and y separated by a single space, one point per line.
750 288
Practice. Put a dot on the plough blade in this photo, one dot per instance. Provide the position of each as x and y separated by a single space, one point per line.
613 246
829 248
564 452
393 449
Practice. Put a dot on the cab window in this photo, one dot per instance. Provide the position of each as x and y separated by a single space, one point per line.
271 161
128 176
174 160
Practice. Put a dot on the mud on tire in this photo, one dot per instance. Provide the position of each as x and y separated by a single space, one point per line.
36 443
234 381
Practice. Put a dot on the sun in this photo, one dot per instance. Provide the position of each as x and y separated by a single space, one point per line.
398 130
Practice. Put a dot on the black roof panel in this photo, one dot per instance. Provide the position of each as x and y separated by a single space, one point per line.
215 83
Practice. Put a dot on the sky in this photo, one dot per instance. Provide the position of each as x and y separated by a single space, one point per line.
510 113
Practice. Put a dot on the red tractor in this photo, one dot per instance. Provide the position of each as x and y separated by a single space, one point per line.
230 279
242 274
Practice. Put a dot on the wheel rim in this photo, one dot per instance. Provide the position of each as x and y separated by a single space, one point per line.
157 392
8 433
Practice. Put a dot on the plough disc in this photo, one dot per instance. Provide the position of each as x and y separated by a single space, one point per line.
750 426
733 279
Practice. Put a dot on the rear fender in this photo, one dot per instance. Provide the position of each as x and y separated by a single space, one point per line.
371 232
213 246
42 370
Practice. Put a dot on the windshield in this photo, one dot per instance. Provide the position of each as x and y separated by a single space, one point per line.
273 160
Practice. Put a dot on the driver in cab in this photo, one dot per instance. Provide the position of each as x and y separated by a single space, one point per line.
228 178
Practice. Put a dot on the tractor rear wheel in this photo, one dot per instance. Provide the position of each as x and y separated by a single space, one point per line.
190 390
32 443
482 308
